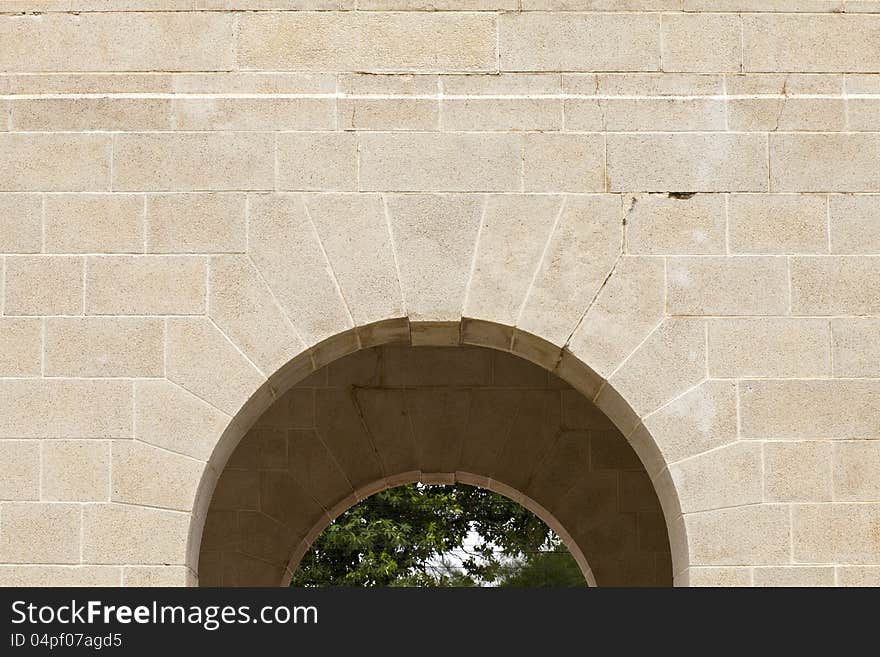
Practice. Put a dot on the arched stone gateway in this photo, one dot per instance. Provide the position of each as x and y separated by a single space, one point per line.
387 416
671 212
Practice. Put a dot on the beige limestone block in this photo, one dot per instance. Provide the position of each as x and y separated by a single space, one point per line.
386 418
627 308
658 114
491 417
44 285
262 448
856 345
791 43
438 420
701 42
193 161
21 346
826 408
856 465
861 114
669 362
601 5
647 84
578 412
145 285
65 162
295 409
660 224
89 114
824 162
397 84
758 534
585 114
836 533
376 42
810 6
502 84
439 162
236 490
778 223
580 255
854 226
389 114
701 420
563 163
784 84
125 534
284 500
729 476
19 470
317 161
637 492
195 223
253 114
314 468
94 223
253 5
363 368
794 576
341 429
349 223
20 223
769 347
86 83
579 42
149 476
21 575
565 461
168 416
858 575
501 114
104 346
437 5
511 239
35 533
76 471
787 114
797 471
265 538
117 42
158 576
438 366
243 307
63 408
194 349
687 163
746 285
722 576
282 233
835 285
538 421
514 372
434 238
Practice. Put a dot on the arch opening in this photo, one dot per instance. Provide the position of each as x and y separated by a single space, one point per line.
388 415
441 535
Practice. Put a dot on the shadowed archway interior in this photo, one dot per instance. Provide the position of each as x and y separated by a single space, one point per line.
390 415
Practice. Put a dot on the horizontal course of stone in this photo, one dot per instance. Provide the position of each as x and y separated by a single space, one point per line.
673 205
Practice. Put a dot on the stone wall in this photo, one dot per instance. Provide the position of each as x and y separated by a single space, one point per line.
672 205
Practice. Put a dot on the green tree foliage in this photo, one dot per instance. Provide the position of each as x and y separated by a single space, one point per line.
416 536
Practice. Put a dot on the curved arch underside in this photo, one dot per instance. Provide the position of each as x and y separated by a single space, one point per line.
395 414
